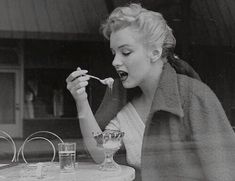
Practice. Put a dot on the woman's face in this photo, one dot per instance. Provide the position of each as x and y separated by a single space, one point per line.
131 57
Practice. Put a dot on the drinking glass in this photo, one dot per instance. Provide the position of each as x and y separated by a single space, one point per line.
67 156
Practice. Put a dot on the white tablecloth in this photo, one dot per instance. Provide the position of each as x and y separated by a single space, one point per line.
85 171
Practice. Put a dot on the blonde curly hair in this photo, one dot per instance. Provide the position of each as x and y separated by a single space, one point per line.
151 25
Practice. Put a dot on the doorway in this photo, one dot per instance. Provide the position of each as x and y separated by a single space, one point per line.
10 106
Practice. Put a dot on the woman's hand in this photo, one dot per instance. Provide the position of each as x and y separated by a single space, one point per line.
76 84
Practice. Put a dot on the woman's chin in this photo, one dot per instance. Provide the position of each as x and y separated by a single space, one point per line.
127 85
124 83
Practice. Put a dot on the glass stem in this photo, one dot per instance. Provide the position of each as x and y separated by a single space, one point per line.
108 156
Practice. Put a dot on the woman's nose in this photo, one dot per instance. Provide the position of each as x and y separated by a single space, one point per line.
116 61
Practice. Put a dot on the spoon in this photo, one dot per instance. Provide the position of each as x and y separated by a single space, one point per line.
107 81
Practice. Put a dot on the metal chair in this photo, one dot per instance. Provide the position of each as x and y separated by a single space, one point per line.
34 137
4 135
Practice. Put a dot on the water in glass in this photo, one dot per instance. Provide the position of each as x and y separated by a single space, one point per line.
67 156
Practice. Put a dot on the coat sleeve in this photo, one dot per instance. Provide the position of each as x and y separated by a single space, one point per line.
212 135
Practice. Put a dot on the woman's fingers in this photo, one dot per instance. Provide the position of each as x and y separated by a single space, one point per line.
81 91
79 85
81 79
76 84
74 75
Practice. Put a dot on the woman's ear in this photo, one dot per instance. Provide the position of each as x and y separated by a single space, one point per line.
156 54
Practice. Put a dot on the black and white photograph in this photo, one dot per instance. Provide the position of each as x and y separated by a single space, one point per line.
117 90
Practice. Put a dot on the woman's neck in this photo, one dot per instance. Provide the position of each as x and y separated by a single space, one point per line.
150 83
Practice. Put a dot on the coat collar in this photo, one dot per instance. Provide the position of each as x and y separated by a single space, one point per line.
167 97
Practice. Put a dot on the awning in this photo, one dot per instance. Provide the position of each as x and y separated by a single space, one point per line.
51 19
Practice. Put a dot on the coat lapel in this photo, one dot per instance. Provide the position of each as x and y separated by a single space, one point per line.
167 97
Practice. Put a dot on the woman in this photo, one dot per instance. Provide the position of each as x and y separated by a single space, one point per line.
175 128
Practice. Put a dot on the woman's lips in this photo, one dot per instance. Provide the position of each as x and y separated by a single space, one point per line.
123 75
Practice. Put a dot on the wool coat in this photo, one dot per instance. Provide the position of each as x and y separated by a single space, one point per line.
187 135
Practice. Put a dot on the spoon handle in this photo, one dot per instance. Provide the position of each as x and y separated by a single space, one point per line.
94 77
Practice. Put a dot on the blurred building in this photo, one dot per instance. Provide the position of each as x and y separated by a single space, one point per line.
42 41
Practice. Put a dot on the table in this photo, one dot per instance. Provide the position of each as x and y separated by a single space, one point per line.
85 171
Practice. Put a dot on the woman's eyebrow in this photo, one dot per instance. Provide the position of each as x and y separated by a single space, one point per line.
120 47
124 45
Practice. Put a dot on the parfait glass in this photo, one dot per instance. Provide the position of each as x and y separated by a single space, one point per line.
110 142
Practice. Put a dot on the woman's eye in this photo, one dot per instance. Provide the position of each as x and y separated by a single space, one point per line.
126 53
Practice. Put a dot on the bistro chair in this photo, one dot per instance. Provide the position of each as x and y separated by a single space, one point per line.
4 135
37 136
